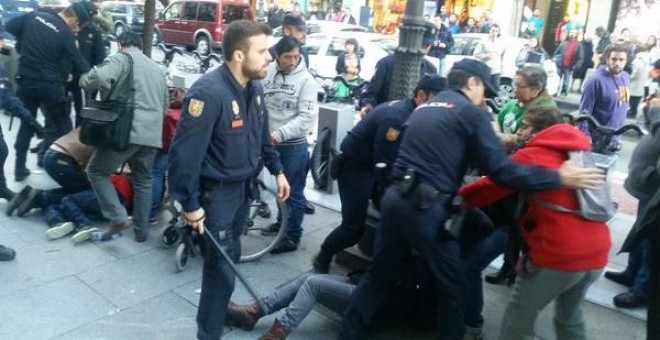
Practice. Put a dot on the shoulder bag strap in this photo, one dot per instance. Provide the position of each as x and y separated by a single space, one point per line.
554 206
131 80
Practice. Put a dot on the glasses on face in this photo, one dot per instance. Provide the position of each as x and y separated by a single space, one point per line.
521 86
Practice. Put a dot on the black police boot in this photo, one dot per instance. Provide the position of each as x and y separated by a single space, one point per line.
506 273
33 200
271 230
631 299
321 262
21 173
18 199
309 208
6 193
6 253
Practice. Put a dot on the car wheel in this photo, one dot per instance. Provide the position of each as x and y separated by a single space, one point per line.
202 45
119 29
506 92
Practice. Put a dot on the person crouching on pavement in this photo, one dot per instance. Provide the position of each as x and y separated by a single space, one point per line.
561 263
290 94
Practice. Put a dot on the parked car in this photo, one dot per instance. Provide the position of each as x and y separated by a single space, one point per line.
465 44
319 26
199 23
324 48
52 6
14 8
126 15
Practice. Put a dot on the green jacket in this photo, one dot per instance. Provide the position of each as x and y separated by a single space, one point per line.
510 116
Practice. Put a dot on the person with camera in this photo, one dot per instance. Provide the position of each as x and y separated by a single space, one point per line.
441 138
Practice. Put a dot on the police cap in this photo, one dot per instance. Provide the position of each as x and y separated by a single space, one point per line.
295 20
432 83
83 10
481 70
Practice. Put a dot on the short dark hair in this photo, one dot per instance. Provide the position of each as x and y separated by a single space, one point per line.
354 42
616 48
457 78
128 39
534 75
237 34
540 118
286 45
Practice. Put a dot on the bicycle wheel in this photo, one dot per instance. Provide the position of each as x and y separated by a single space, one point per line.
320 164
265 210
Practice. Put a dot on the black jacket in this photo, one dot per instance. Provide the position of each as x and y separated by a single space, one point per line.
90 44
444 36
378 90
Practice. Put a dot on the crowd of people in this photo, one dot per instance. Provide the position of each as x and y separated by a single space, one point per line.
407 155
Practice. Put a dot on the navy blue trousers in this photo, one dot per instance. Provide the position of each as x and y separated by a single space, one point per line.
402 228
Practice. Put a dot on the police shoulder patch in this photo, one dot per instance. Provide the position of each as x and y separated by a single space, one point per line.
195 107
392 134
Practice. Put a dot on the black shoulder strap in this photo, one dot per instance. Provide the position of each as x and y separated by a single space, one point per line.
131 83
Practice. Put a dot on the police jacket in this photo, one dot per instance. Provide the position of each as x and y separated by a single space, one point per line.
90 44
222 136
45 40
378 90
375 139
448 133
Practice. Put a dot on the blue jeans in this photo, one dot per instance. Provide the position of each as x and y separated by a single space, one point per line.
158 177
64 170
294 158
441 67
300 295
566 74
80 208
474 262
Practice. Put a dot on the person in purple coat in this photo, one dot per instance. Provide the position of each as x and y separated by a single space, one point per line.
605 95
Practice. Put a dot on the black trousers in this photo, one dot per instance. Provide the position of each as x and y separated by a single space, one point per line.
404 227
4 151
653 319
356 181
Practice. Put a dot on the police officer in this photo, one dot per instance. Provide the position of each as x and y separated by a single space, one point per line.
375 139
44 41
92 48
12 104
221 138
378 90
442 137
293 25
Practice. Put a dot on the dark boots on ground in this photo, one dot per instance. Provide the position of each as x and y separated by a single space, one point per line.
243 316
276 332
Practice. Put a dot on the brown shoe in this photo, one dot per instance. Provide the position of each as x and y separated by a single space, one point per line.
243 316
116 229
276 332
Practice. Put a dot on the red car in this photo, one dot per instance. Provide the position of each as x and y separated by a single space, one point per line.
199 23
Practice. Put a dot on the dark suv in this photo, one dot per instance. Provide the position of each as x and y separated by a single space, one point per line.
199 23
126 15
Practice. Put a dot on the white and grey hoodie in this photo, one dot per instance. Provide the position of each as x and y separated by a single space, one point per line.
292 102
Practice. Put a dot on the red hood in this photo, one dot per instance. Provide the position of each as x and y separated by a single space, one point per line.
561 137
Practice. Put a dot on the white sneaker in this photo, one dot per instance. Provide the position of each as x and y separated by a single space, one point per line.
83 235
60 230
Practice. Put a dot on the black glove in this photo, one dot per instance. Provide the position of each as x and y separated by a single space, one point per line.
38 128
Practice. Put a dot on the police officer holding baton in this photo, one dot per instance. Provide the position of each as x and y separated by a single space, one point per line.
221 138
442 137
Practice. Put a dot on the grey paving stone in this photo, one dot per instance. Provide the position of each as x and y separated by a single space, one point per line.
132 280
43 262
166 316
50 309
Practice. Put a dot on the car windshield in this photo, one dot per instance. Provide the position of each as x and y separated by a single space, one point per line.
388 45
464 46
138 9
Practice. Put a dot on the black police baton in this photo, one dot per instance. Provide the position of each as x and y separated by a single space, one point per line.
233 267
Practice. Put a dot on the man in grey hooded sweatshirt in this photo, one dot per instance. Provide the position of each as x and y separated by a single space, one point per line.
290 94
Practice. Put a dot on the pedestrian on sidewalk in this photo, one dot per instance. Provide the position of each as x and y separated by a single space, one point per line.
220 140
561 264
569 57
290 94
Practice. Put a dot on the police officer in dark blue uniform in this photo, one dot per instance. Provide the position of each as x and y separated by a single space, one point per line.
220 140
44 40
442 137
12 104
378 90
375 139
